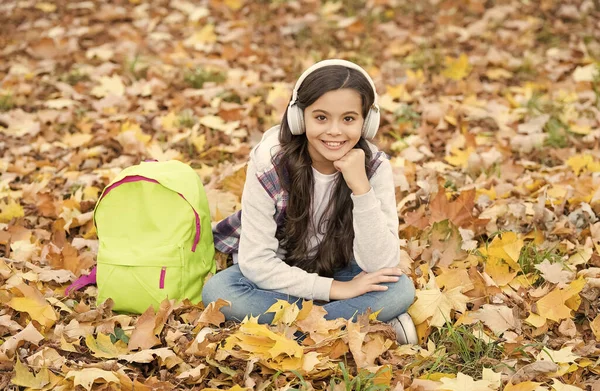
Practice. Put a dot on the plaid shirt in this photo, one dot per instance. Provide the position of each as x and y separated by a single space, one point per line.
227 232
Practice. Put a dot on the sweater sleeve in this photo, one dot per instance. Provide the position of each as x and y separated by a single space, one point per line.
375 220
257 256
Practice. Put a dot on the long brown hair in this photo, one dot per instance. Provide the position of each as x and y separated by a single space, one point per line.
294 168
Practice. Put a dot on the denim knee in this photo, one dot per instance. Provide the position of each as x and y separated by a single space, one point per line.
210 291
221 285
398 297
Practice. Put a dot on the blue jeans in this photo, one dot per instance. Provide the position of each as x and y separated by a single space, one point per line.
248 299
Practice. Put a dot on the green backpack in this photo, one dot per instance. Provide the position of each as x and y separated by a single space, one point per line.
155 237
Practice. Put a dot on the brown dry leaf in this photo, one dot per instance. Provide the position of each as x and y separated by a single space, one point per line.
498 318
212 314
356 339
311 320
459 211
531 371
555 273
143 336
166 355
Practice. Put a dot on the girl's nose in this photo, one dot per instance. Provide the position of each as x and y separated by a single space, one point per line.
334 130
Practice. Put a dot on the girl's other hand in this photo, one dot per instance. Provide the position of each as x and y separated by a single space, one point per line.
352 167
363 283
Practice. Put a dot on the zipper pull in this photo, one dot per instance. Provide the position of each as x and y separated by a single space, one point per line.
163 272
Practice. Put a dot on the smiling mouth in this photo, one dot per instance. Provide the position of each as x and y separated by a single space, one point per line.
333 144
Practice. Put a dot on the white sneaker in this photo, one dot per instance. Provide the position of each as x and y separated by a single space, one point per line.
406 332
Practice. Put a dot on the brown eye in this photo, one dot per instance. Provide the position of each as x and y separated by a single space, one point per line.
320 118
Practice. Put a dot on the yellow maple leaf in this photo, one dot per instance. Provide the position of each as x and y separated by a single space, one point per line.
491 193
435 304
452 278
581 257
234 388
34 304
102 347
499 270
24 378
525 386
88 376
77 140
562 356
91 193
216 122
10 210
595 326
46 7
205 36
507 246
580 129
199 142
417 76
586 73
459 157
129 125
112 85
234 5
169 122
554 306
559 386
457 68
259 339
495 378
535 320
399 92
498 73
155 151
284 311
579 162
464 382
279 96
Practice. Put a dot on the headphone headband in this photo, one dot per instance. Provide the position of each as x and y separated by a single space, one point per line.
295 115
329 62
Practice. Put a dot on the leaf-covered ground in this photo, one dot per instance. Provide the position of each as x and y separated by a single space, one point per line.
491 114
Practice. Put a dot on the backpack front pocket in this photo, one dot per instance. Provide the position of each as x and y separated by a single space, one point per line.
139 276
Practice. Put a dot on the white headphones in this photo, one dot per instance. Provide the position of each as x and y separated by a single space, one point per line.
295 115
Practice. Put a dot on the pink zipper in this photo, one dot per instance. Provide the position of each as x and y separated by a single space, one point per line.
163 273
138 178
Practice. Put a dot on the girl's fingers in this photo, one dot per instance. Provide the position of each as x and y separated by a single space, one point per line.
391 279
378 288
390 271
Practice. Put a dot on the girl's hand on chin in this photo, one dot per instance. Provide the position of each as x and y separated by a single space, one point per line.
363 283
352 167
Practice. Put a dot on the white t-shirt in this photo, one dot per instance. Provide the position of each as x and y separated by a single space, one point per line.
323 188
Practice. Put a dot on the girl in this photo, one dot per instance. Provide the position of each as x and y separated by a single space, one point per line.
319 217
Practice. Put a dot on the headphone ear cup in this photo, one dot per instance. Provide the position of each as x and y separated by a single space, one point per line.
371 124
295 120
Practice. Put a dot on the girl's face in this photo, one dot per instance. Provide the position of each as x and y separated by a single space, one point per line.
333 127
